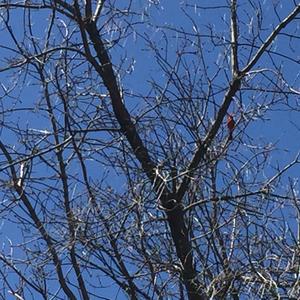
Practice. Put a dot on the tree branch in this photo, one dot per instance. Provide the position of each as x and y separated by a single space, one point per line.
234 39
271 38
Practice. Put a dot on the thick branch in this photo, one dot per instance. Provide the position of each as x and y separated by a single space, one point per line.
234 38
121 113
200 152
180 236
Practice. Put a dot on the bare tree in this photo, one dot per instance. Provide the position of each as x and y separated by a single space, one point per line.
119 177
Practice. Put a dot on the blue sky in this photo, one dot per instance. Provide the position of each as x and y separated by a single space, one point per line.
278 128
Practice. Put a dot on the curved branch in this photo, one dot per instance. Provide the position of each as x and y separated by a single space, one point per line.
271 38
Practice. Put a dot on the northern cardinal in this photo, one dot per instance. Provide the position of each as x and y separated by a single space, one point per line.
230 125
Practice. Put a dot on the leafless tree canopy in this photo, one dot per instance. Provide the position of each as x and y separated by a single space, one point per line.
118 175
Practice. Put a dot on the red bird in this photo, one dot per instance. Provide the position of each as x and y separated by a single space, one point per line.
230 125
